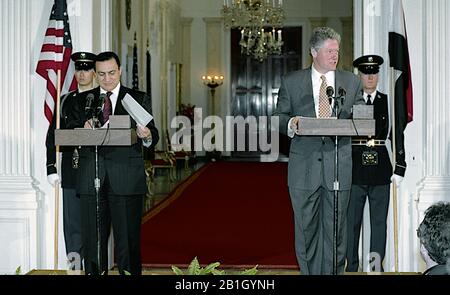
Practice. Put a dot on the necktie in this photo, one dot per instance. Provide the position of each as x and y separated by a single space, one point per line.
369 101
324 104
107 107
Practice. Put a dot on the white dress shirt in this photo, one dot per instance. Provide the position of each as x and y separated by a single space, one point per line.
316 82
114 96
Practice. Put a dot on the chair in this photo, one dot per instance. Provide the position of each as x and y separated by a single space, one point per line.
179 153
163 160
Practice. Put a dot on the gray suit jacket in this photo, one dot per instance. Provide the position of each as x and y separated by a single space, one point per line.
311 158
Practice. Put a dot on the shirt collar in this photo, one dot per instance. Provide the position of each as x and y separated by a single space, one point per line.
372 95
316 75
115 91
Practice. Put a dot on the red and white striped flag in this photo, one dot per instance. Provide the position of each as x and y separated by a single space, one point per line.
55 55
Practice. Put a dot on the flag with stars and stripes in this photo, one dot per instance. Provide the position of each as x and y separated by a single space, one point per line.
55 55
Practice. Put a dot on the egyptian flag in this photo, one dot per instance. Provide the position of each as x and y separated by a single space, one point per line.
399 61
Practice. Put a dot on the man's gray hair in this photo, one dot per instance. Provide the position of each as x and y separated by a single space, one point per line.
320 35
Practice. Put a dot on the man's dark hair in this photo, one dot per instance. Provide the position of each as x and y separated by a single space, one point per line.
107 55
434 232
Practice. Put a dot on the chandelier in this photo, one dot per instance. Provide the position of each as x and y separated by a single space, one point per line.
252 18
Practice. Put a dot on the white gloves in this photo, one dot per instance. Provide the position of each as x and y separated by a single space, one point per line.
53 178
397 179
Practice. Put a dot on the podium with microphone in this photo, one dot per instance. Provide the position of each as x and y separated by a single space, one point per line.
361 124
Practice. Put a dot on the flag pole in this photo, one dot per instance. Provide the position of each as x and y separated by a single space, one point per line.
394 185
57 184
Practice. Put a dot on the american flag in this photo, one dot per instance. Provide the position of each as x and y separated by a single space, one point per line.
55 55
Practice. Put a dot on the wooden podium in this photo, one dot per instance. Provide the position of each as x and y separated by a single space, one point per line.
119 134
362 124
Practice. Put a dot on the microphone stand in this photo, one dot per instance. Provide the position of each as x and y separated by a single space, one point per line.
336 191
97 196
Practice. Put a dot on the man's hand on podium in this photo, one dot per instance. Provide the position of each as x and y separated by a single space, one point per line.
295 125
88 124
53 179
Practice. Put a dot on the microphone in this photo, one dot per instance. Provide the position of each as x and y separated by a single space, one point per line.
89 100
342 92
330 92
101 101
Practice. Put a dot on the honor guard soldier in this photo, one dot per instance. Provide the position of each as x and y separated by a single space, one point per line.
372 172
84 74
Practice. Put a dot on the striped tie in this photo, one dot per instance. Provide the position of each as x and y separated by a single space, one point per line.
107 107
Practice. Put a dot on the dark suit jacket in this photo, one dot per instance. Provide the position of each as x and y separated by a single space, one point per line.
440 269
124 165
381 173
309 153
68 174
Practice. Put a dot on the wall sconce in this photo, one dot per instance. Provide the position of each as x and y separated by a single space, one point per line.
213 81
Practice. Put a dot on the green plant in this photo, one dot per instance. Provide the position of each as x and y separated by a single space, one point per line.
18 270
194 268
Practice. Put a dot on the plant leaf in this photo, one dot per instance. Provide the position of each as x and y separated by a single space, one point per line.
194 267
251 271
209 268
177 271
217 272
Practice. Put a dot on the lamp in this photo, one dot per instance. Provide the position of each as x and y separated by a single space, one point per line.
212 81
251 17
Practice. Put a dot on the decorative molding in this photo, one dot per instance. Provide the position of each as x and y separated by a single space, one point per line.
186 23
18 196
18 249
214 45
435 184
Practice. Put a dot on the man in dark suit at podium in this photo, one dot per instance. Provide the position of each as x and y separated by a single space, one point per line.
121 173
84 74
372 171
312 158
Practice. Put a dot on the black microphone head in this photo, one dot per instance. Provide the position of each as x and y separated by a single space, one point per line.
89 99
102 96
342 91
101 101
330 91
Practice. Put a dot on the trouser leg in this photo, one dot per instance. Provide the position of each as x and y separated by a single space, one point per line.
355 212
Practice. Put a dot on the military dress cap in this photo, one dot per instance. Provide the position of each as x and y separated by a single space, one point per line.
368 64
84 61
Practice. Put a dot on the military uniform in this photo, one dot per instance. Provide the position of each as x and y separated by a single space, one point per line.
84 61
372 171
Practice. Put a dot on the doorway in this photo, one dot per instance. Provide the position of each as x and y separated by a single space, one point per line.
254 85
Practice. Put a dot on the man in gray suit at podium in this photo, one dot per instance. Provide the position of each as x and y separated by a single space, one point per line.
311 158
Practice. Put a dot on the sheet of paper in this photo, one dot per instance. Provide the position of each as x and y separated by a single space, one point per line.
136 111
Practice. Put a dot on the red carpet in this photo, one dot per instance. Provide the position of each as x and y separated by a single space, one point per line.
236 213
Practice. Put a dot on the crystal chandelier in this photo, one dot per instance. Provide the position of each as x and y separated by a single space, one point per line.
253 17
